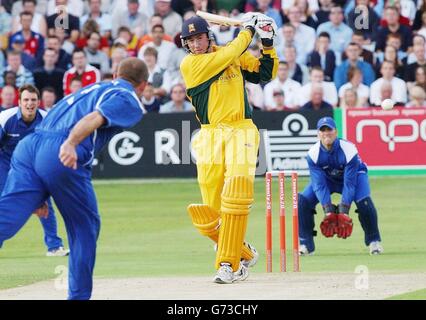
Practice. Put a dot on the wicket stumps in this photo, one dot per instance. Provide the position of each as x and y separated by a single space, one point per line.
281 186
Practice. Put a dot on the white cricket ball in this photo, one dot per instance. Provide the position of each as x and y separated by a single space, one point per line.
387 104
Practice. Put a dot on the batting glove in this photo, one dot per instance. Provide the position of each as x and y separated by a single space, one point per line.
249 20
266 28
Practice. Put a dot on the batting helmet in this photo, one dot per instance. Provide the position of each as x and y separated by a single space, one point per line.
192 26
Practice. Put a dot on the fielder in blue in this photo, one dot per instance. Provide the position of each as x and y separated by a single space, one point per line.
335 167
56 160
15 124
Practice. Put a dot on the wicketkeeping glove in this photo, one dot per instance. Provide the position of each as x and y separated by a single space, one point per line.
344 225
266 28
328 226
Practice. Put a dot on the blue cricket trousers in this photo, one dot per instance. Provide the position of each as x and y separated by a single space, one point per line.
367 215
49 224
36 172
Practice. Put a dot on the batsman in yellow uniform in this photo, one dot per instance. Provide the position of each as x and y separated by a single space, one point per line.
226 146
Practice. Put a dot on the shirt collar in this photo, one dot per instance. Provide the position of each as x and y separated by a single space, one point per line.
333 147
19 115
125 84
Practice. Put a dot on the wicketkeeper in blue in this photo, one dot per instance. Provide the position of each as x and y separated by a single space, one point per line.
15 124
335 167
56 161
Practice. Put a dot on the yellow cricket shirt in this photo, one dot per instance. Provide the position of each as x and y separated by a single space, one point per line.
215 81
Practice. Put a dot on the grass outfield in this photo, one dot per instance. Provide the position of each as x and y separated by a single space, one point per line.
415 295
146 232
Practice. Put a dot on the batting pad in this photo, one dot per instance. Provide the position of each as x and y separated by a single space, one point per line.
207 220
237 197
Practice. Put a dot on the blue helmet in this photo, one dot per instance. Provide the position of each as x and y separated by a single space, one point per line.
192 26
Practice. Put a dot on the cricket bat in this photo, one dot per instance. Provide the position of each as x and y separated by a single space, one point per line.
218 19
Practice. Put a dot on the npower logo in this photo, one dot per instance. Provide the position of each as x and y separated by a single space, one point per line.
387 131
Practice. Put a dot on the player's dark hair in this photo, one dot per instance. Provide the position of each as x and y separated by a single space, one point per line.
78 77
124 29
78 50
151 51
324 35
157 26
30 88
317 68
48 89
26 13
359 33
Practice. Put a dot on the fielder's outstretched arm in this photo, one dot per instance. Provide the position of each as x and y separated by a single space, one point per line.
82 129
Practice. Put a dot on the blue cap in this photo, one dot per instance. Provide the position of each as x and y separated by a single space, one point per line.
18 39
326 121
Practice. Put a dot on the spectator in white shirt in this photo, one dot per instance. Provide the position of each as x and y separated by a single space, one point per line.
223 34
286 38
156 74
104 20
304 35
340 33
418 40
38 23
288 4
317 78
417 98
172 21
118 54
178 102
399 88
355 83
351 100
132 18
163 47
297 72
290 88
74 7
96 57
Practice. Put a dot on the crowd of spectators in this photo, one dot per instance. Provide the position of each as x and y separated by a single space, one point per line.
333 54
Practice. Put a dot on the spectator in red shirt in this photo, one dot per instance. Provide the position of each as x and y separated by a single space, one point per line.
7 97
34 42
10 81
88 73
405 21
88 28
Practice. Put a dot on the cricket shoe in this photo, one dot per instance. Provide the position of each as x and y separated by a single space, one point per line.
247 263
242 273
250 263
225 274
376 248
303 251
58 252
